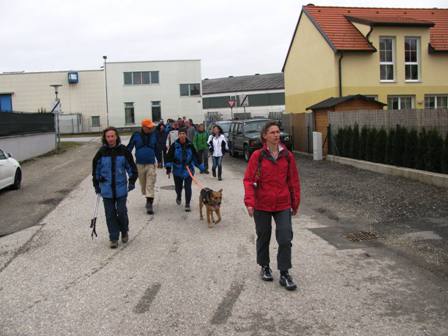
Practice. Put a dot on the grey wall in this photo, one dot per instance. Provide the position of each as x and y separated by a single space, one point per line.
27 146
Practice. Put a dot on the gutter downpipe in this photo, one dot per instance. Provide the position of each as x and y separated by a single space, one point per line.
341 55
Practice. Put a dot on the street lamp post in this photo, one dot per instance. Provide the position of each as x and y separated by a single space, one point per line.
56 109
105 83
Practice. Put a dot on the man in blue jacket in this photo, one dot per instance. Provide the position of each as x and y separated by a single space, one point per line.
146 151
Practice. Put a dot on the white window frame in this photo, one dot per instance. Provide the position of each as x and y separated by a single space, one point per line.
126 106
388 63
400 97
417 63
436 100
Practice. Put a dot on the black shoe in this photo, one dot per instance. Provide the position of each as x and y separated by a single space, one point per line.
220 178
214 173
149 209
124 238
178 201
287 282
266 273
113 244
187 208
206 172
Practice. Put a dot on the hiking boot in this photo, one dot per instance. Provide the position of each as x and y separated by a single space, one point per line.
178 201
287 282
113 244
149 209
124 238
187 208
266 273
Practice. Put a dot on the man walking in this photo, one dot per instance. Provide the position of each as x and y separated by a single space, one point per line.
146 150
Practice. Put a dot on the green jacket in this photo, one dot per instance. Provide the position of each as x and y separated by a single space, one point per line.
200 141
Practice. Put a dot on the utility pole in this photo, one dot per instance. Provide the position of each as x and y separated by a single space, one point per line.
105 83
56 109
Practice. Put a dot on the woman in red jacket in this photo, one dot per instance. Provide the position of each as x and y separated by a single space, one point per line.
272 189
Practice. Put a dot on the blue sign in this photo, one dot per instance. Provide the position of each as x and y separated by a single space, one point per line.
73 77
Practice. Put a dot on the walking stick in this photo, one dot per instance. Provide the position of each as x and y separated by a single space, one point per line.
95 214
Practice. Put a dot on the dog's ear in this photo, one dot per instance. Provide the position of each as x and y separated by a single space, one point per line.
220 191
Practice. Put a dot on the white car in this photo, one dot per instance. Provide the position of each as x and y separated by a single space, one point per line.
10 171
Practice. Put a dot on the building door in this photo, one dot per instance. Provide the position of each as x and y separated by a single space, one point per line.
5 103
156 110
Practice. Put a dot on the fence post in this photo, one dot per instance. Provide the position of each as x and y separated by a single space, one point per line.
330 142
308 139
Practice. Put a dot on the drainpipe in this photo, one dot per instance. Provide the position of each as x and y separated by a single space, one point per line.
341 55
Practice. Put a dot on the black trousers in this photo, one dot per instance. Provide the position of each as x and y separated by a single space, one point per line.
283 234
181 183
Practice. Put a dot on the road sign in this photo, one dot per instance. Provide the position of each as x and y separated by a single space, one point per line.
244 100
56 106
231 103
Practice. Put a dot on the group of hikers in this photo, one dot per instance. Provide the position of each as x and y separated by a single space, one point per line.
271 181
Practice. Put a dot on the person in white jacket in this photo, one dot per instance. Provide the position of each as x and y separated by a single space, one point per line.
218 146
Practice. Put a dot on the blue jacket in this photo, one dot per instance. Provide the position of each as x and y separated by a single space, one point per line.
179 156
109 169
145 146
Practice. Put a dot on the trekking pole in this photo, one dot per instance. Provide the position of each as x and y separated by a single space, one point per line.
95 214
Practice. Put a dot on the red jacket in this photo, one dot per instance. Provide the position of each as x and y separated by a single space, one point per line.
277 181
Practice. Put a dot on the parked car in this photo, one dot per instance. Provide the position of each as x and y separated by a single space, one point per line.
224 124
244 137
10 171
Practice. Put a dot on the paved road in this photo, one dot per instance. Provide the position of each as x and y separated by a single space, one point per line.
177 277
46 181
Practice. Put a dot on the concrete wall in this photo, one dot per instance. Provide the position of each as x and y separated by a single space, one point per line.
171 75
27 146
32 91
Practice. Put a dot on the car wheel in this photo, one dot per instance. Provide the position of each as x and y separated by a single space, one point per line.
246 153
232 152
17 179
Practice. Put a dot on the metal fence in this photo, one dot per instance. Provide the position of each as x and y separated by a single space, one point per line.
387 119
13 123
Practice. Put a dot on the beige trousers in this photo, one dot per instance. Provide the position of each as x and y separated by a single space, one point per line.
147 177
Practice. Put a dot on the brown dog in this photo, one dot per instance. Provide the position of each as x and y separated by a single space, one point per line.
212 201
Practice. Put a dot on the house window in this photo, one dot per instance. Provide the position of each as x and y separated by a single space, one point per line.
129 113
411 58
436 101
156 110
372 97
400 102
95 121
141 77
190 89
387 59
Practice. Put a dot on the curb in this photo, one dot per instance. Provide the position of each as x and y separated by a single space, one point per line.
435 179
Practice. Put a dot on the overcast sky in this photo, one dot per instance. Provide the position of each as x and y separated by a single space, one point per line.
231 37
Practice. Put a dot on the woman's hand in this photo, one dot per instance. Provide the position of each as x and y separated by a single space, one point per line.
250 211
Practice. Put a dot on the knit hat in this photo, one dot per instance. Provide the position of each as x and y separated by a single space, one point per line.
147 123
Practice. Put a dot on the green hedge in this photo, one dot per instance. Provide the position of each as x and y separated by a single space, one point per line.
425 150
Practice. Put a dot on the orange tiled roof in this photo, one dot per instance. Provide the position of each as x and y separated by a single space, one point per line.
334 24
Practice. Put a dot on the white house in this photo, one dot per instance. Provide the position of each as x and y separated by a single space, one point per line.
134 90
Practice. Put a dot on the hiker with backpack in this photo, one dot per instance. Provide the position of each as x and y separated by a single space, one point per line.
109 168
146 147
272 190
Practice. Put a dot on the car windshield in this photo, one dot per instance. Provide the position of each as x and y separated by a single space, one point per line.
225 126
255 126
